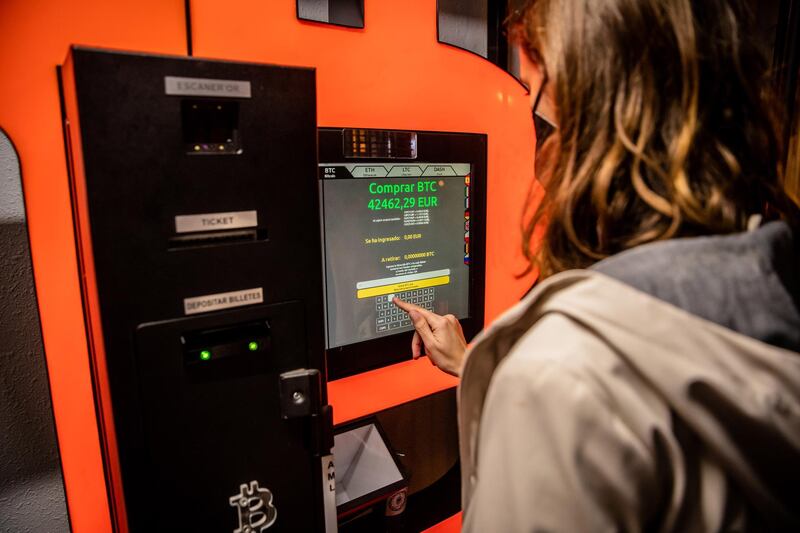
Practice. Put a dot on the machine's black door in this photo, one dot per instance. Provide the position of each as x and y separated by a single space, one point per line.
201 201
217 446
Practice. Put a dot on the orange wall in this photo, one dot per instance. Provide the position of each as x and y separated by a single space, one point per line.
450 525
392 74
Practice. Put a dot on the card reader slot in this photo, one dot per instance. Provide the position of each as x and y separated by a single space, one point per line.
216 238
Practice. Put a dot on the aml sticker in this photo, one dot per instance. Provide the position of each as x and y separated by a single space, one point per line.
254 504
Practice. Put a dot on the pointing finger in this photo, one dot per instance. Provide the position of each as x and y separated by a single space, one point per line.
405 306
430 316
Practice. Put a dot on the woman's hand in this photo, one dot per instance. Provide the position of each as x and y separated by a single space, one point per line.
440 337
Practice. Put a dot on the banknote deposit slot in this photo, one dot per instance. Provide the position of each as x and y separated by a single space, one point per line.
236 341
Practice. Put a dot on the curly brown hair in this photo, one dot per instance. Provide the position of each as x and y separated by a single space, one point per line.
666 126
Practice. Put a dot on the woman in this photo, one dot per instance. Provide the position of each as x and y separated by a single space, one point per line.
651 382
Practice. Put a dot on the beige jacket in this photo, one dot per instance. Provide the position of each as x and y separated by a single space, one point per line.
591 406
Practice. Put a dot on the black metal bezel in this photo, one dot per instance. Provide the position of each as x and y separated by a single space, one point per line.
437 147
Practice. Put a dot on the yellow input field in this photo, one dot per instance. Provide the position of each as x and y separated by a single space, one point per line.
401 287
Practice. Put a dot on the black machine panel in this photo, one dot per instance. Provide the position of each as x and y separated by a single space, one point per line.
403 215
202 199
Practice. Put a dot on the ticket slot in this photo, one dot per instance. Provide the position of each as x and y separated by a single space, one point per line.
216 238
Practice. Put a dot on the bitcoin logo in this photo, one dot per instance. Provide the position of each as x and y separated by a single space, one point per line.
254 504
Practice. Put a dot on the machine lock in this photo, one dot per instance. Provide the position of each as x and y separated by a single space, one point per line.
301 396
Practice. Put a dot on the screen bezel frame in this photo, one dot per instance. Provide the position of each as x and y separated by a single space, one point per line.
382 493
432 147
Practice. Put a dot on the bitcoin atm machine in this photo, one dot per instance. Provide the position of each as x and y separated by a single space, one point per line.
403 215
195 199
399 113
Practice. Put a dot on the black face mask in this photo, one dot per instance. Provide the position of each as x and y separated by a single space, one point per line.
543 127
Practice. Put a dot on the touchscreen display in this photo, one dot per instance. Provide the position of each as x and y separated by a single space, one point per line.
393 230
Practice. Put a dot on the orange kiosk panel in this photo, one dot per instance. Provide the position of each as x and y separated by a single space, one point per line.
392 74
395 74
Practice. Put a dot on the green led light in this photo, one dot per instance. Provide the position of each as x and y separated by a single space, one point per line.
252 346
205 355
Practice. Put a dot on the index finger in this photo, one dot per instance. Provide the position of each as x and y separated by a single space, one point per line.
408 306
